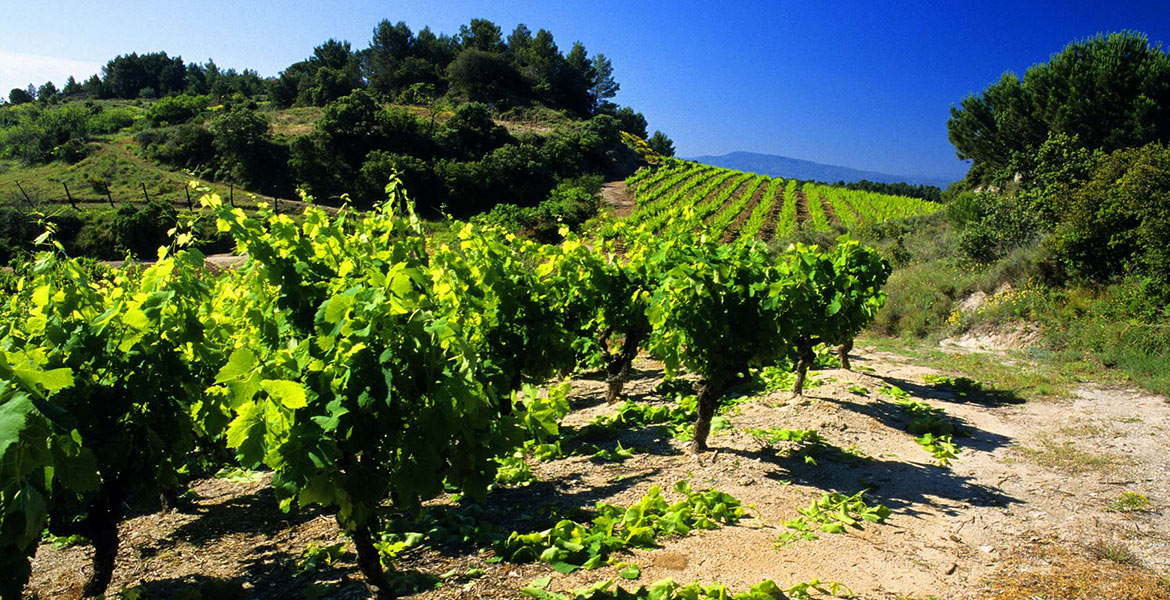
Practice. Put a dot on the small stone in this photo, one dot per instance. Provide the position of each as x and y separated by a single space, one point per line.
987 549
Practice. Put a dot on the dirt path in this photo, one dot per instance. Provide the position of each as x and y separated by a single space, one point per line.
768 231
218 262
802 214
615 194
1029 502
733 229
829 212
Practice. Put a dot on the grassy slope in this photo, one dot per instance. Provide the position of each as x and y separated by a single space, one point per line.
1085 332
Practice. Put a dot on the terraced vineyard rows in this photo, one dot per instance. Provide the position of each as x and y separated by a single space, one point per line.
733 204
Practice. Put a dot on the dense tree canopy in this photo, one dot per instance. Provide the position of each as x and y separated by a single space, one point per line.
1110 91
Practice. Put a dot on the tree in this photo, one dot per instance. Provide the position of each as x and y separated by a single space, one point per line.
574 81
47 92
1118 222
661 144
481 76
390 46
71 88
1109 92
481 35
602 86
632 122
20 96
244 148
126 76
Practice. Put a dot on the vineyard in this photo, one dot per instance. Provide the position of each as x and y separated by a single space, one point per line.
369 369
735 205
490 416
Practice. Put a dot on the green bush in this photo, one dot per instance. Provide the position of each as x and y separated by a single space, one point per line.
174 110
34 135
113 120
990 225
141 230
187 146
921 297
16 231
1118 223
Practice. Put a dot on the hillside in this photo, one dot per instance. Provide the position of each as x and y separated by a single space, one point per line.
795 168
736 204
466 121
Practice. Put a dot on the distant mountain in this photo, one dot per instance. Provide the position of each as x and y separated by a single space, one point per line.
795 168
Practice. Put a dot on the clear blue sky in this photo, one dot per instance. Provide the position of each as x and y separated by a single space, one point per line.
860 84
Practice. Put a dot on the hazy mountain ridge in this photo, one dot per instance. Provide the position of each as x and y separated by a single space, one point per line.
795 168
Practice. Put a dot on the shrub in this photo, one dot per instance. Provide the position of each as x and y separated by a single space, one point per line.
186 146
142 230
1119 221
174 110
113 120
991 225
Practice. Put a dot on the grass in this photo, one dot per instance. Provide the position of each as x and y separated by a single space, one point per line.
1114 330
1066 456
1007 377
1104 570
1113 551
1131 502
116 163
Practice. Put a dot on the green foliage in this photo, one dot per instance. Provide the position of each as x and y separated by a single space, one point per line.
109 364
187 146
942 448
669 590
316 557
661 144
570 545
245 150
37 135
1118 222
832 513
489 284
570 204
991 226
775 435
141 230
1109 91
1131 501
18 96
936 432
175 110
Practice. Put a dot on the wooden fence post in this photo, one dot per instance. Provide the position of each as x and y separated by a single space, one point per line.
232 194
69 196
25 194
144 194
108 196
188 191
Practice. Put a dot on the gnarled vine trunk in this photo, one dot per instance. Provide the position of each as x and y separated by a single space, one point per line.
101 527
843 354
708 397
617 366
710 392
370 564
805 358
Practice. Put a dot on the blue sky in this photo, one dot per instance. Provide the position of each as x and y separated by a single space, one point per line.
860 84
